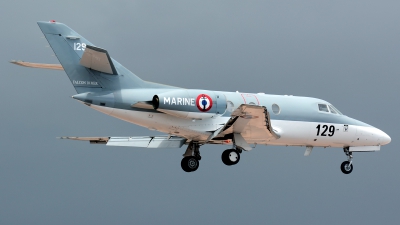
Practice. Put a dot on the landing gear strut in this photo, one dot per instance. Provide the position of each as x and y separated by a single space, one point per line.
347 166
231 156
190 161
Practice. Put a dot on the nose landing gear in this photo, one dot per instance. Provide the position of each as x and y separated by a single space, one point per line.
347 166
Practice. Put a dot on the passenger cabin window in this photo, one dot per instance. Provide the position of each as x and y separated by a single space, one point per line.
323 108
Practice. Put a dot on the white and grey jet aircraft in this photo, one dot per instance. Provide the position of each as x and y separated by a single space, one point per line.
196 117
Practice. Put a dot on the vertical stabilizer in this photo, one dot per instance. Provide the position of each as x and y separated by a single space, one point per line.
69 47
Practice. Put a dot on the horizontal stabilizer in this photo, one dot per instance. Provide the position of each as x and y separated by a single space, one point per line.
142 142
38 65
97 59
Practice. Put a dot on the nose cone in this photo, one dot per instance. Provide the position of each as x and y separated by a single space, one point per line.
371 136
385 138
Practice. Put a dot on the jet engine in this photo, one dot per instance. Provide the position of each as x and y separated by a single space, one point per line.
190 104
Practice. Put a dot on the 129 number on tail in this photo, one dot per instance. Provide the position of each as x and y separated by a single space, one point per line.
79 46
324 129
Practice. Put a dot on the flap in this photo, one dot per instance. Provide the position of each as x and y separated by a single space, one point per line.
239 141
97 59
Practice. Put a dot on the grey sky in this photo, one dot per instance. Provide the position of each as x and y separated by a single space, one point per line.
345 52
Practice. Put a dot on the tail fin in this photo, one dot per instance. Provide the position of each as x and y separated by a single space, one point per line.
69 47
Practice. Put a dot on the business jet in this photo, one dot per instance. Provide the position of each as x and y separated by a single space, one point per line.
195 117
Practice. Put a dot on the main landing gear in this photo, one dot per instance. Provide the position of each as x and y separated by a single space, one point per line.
347 166
231 156
191 158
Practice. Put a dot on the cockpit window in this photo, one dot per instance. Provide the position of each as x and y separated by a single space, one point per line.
323 108
334 110
328 108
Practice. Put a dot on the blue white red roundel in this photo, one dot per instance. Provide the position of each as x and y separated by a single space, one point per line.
204 102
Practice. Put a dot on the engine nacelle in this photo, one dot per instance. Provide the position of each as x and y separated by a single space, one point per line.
191 104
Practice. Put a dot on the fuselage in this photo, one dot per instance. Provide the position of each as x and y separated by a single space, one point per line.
299 121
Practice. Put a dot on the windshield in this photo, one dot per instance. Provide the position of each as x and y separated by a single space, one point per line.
328 109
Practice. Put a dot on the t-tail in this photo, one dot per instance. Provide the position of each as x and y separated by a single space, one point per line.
89 68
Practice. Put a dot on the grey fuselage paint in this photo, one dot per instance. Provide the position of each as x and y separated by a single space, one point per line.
292 108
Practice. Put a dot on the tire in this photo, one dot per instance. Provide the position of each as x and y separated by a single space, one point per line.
230 157
225 158
345 167
189 164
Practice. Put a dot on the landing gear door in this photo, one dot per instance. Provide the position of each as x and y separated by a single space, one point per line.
250 99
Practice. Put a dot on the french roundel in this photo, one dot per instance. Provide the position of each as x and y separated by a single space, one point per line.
204 102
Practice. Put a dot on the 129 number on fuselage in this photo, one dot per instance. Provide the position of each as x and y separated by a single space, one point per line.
322 130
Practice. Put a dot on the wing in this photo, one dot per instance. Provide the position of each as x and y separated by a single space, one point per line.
250 124
143 142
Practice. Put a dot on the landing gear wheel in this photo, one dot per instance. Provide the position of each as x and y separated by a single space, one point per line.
230 157
346 167
190 164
